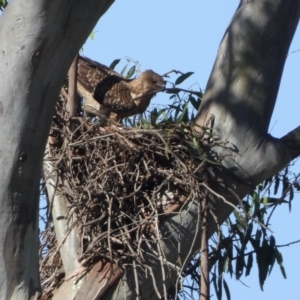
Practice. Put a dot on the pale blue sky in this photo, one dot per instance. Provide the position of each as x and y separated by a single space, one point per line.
175 34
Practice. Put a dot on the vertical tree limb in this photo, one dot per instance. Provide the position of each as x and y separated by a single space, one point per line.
204 269
242 89
72 75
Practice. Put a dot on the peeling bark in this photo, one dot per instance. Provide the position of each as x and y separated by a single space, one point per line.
72 74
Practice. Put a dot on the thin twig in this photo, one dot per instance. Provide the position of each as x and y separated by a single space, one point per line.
72 74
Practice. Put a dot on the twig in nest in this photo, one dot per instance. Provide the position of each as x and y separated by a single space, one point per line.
72 74
118 178
204 269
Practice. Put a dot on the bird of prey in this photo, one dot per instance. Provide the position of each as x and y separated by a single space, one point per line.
117 97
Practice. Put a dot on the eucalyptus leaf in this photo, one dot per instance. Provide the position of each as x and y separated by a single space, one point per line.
214 280
276 185
279 260
183 77
114 63
194 102
226 288
184 112
124 69
239 266
130 72
249 264
92 35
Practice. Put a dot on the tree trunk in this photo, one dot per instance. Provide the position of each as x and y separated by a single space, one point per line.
242 90
39 39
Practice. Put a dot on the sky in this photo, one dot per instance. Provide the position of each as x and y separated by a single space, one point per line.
184 35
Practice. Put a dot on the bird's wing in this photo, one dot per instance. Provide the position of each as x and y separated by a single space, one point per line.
114 93
90 73
111 90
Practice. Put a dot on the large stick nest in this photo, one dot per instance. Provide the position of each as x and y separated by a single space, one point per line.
119 184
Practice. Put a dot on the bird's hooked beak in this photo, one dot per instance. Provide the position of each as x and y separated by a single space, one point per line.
161 86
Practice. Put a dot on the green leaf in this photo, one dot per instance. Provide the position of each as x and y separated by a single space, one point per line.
249 264
255 198
220 287
272 258
256 204
225 263
183 114
272 241
214 280
130 72
194 102
183 77
285 184
267 181
239 266
291 198
92 35
124 69
230 250
240 220
146 125
286 171
154 115
265 201
291 194
279 260
114 63
3 4
248 234
226 288
220 265
255 243
164 115
276 185
197 147
264 256
177 110
230 255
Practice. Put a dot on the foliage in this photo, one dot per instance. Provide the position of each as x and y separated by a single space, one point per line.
3 4
246 236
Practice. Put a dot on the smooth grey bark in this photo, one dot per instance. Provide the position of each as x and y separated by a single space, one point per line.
242 89
68 240
292 141
39 39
